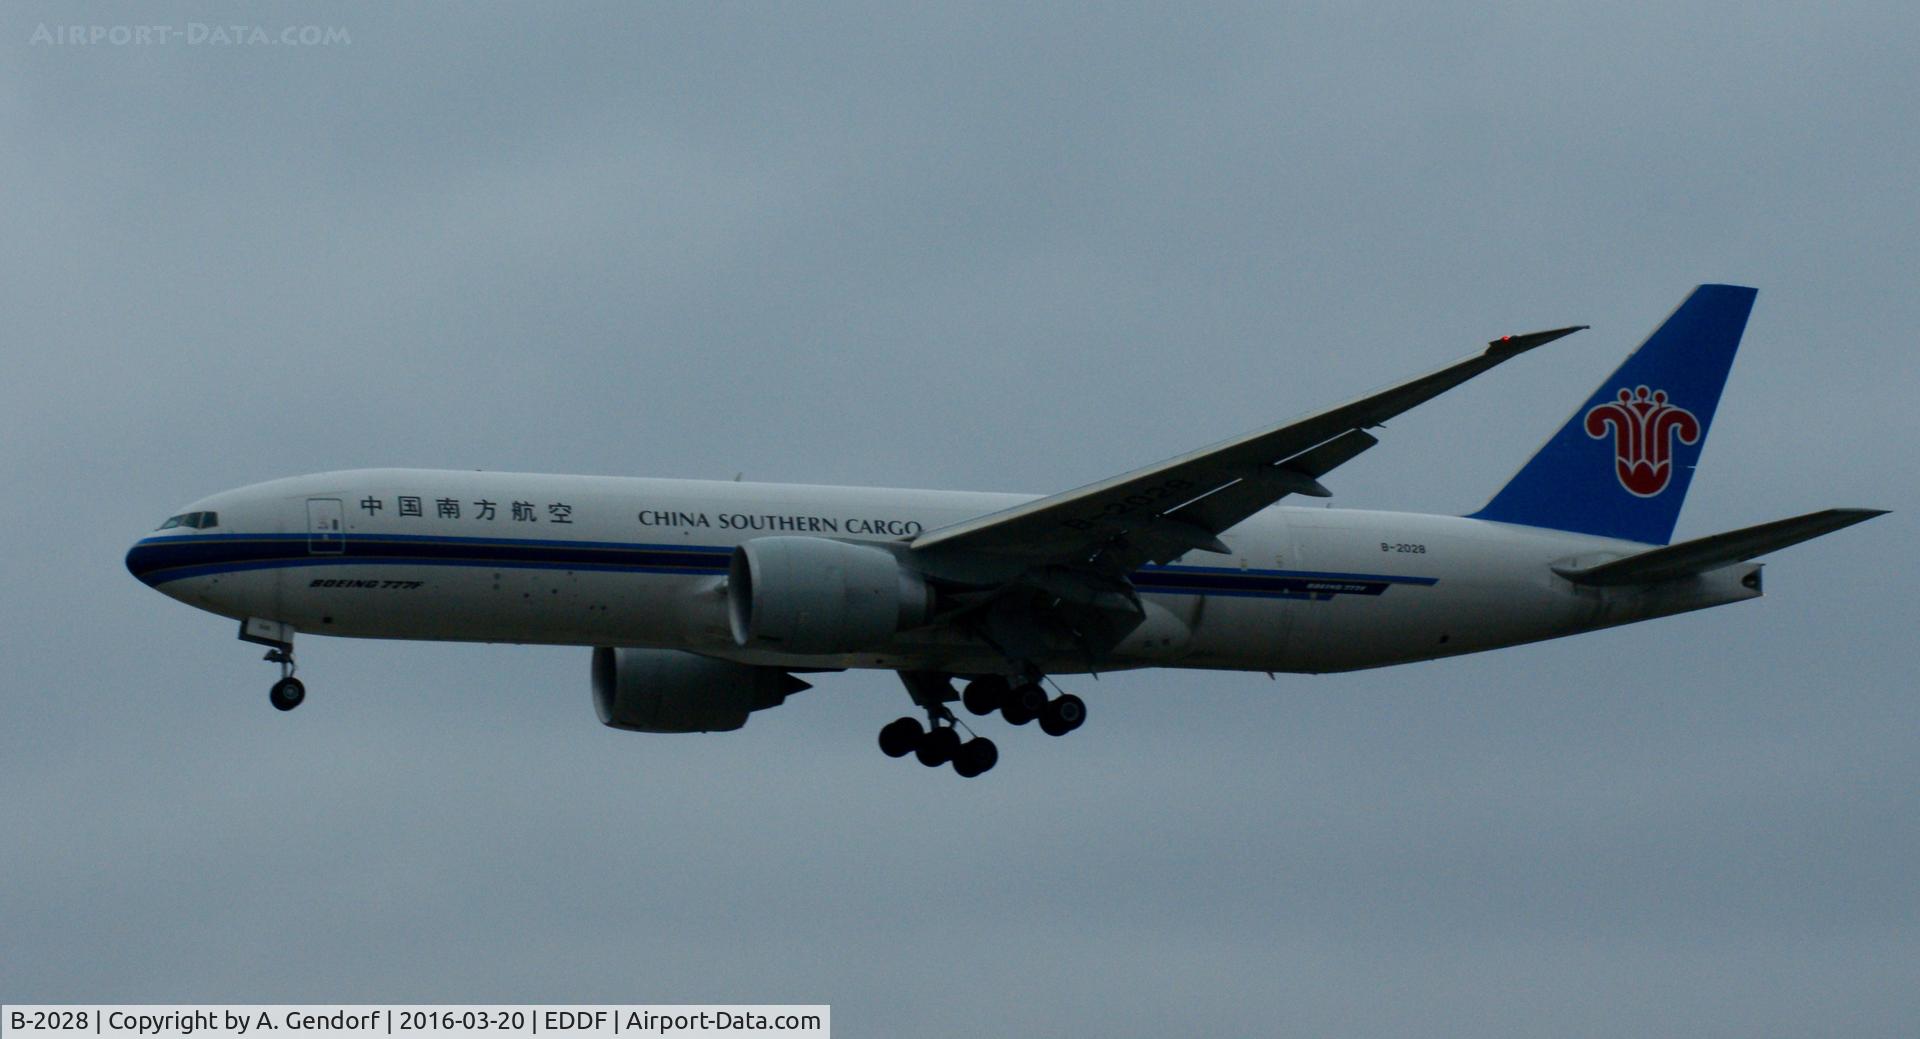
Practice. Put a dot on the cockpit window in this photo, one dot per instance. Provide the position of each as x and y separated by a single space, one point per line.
194 520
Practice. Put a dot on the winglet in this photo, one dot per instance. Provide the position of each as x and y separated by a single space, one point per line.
1510 346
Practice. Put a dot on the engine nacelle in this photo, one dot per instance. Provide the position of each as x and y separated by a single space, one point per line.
813 595
665 690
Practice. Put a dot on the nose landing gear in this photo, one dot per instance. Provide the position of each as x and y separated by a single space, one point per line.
289 692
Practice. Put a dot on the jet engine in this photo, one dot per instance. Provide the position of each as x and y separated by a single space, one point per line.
815 595
665 690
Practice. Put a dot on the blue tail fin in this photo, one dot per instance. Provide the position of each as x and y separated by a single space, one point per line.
1620 467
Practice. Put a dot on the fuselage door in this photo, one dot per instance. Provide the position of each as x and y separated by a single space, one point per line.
326 526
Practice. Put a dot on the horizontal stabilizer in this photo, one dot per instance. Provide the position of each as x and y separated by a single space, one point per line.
1702 554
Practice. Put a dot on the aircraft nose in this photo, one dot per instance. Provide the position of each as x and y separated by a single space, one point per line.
142 560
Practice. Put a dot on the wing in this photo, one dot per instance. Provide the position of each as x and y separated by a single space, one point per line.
1163 511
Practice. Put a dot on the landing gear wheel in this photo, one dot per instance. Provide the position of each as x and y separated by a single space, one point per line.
287 693
985 695
900 737
938 747
1063 714
976 756
1024 703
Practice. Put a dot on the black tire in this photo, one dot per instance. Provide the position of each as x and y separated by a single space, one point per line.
938 747
976 756
1063 714
1024 703
900 737
287 693
985 695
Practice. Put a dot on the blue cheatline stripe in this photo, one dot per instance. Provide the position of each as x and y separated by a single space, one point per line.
162 559
157 560
443 539
1232 571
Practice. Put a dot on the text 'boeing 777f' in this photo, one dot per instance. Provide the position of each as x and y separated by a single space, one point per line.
704 600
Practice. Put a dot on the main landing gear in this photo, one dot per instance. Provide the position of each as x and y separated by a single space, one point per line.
939 745
938 742
1025 702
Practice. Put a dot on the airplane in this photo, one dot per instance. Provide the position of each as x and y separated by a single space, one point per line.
705 601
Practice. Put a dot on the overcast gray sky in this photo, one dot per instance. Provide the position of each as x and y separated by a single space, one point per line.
1005 247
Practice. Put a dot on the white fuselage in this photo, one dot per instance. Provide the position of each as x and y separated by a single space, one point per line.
616 561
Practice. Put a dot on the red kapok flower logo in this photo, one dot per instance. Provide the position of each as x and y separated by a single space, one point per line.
1644 427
